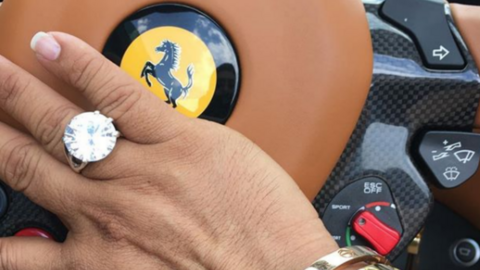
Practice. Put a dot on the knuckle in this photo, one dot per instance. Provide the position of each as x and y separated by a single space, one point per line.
21 165
108 223
50 129
12 87
120 100
77 263
7 255
112 230
83 70
193 149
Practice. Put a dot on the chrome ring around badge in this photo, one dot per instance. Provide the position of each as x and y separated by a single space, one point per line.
181 55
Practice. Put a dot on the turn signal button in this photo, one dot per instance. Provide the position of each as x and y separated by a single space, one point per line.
381 236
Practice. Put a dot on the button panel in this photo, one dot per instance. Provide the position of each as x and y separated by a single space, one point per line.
452 157
369 197
426 22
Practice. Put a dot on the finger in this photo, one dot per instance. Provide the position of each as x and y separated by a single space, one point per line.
44 112
27 168
140 115
30 253
118 164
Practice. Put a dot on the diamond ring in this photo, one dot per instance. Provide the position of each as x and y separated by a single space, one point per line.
89 137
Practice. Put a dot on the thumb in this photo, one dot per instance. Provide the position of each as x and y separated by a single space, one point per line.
30 253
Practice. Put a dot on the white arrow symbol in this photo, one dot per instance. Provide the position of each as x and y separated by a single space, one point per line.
441 53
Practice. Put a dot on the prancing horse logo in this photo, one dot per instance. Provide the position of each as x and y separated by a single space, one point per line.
163 72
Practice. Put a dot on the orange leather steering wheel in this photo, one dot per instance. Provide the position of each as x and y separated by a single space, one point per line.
306 71
306 67
320 49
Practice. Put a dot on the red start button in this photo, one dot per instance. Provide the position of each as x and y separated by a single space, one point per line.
34 232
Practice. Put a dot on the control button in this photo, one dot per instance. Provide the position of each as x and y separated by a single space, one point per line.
3 202
370 195
466 252
381 236
427 23
34 232
452 157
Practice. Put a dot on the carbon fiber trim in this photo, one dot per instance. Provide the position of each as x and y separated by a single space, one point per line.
405 99
23 213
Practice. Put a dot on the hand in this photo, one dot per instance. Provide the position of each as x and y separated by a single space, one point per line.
176 193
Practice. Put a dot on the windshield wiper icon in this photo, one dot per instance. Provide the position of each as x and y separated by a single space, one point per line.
464 156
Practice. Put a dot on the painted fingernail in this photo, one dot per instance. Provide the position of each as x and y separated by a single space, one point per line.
46 46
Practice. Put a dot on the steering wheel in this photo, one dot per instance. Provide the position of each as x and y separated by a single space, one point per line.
305 72
337 92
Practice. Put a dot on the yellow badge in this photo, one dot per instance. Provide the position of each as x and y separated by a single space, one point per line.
176 66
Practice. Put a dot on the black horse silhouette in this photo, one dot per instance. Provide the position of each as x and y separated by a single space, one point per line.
163 72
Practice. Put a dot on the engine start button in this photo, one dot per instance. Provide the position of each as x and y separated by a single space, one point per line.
182 56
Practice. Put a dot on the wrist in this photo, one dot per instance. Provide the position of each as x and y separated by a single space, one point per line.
353 257
293 248
299 247
307 249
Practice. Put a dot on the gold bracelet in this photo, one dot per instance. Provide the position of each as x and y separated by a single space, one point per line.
378 266
349 256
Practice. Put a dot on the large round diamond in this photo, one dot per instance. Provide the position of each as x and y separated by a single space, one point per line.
90 137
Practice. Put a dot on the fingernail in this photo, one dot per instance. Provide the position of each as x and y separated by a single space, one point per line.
46 46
